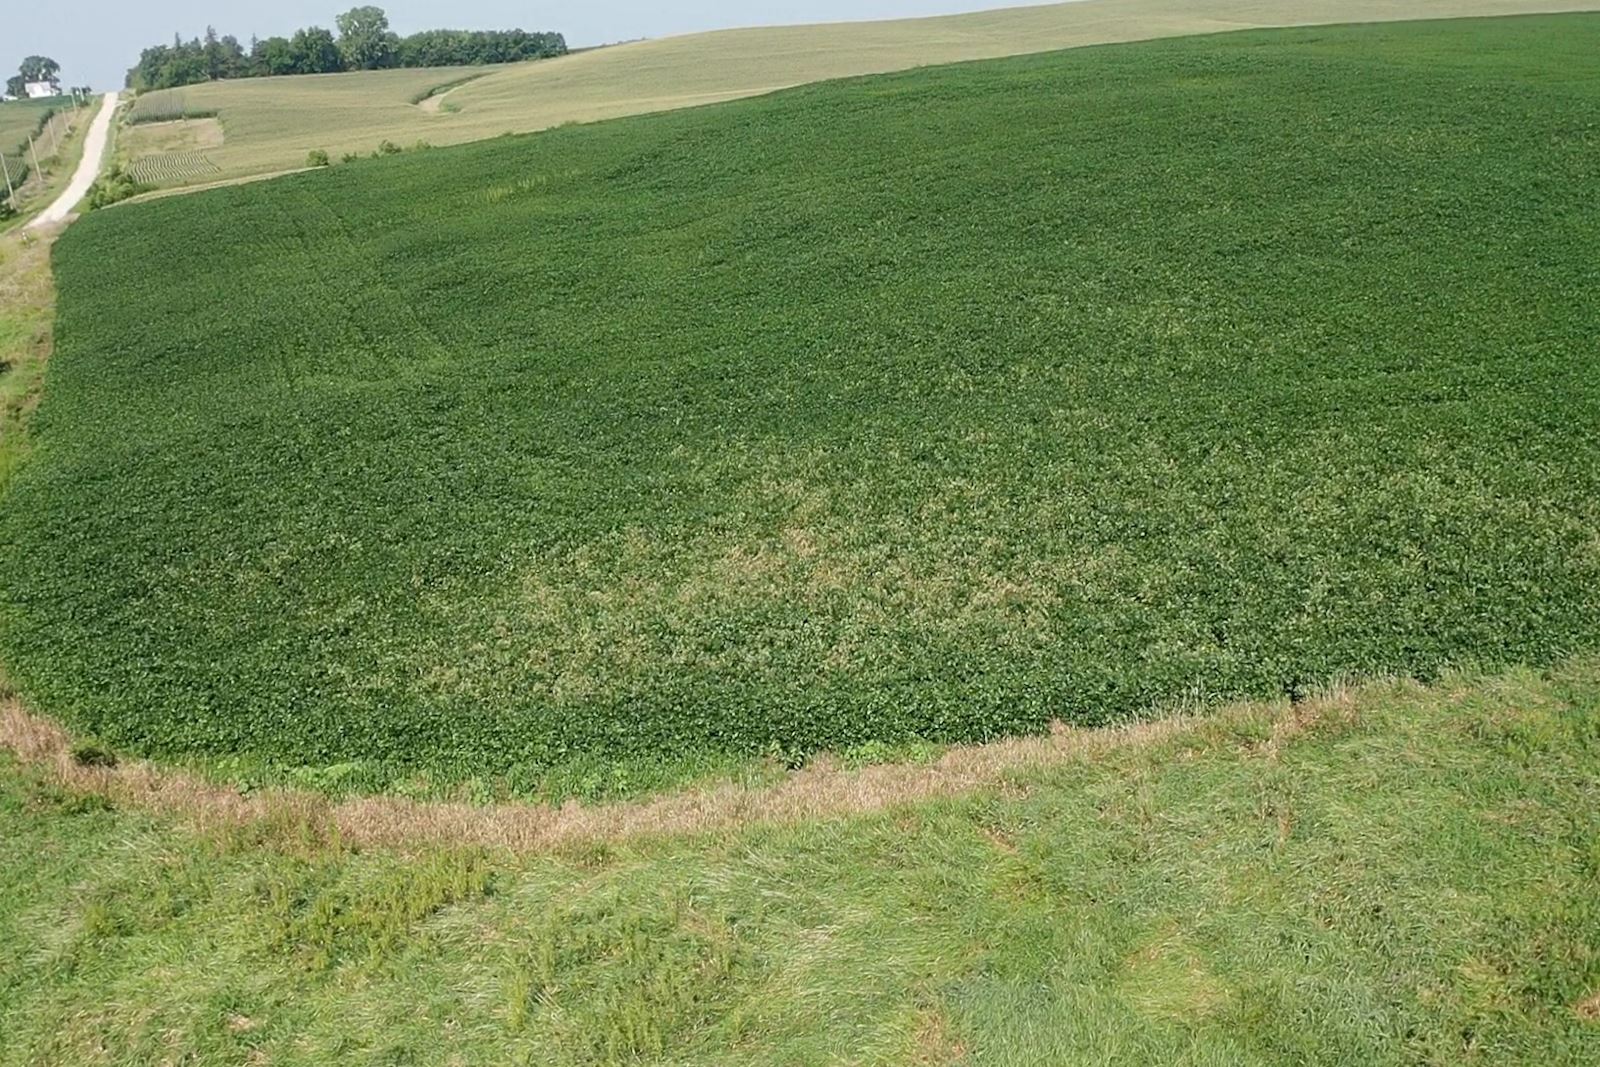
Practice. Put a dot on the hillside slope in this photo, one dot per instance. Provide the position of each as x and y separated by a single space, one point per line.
272 123
933 406
19 119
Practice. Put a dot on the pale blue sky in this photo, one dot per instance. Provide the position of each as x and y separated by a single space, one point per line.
96 41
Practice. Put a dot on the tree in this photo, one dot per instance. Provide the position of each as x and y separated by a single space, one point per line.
42 69
275 55
16 85
314 52
215 62
364 38
364 43
166 66
235 64
447 48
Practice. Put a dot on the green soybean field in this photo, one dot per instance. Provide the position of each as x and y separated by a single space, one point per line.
928 407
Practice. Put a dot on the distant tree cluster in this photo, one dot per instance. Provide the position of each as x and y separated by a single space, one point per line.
364 42
34 69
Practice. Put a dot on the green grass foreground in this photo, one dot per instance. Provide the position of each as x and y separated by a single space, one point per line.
1413 879
929 406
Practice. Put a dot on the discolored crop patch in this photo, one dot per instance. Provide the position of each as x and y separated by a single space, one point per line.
588 623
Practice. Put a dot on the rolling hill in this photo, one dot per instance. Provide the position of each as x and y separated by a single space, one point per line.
271 124
930 407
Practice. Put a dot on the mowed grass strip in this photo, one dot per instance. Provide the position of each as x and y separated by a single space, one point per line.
932 406
1398 876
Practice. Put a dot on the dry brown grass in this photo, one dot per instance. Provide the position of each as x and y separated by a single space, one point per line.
935 1045
20 280
41 744
181 135
821 790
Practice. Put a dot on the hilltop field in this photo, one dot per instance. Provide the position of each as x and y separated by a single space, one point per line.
271 124
929 408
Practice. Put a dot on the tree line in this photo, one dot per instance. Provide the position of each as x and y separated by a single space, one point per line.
364 42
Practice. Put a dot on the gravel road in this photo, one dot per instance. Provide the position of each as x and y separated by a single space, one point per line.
94 151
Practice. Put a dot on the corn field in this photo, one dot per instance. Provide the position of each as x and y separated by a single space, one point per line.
173 168
166 106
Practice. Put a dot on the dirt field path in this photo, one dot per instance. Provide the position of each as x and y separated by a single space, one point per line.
94 150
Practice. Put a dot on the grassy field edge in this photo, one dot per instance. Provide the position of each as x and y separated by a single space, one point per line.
27 310
1392 874
825 788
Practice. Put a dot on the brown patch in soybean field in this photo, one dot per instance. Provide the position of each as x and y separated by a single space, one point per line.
841 576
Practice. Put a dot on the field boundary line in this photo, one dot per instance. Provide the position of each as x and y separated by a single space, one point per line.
432 101
821 790
223 183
